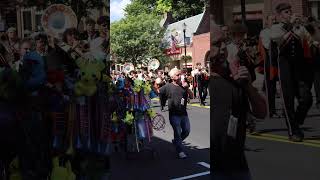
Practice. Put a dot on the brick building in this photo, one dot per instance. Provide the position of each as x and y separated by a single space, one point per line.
197 41
257 10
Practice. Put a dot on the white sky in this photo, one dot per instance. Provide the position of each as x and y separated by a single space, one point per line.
116 9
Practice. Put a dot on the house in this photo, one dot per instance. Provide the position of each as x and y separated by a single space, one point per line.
195 42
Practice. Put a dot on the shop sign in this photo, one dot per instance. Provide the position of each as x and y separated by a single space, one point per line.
173 51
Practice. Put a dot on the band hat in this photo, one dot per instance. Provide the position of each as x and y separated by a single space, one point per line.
12 29
282 6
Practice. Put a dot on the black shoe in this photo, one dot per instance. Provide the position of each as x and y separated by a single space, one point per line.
296 138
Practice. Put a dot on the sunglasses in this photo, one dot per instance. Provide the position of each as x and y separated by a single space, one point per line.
288 11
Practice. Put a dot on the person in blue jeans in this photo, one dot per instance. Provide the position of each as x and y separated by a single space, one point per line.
177 93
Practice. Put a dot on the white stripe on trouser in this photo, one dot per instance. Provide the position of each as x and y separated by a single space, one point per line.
282 98
265 82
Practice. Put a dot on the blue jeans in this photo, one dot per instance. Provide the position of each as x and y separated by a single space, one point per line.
233 176
181 130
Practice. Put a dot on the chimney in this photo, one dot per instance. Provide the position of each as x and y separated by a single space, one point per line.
167 19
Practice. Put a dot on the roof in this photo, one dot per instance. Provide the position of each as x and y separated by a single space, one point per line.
176 28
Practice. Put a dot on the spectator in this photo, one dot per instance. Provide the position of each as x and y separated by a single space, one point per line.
177 94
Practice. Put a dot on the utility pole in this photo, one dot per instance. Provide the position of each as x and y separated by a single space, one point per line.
243 11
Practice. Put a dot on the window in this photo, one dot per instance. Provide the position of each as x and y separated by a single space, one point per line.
315 8
38 22
27 24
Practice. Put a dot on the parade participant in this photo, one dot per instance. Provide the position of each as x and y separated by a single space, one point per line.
199 79
295 75
100 45
205 84
158 83
271 76
177 95
232 95
226 32
35 133
194 82
41 45
90 32
25 46
315 50
11 45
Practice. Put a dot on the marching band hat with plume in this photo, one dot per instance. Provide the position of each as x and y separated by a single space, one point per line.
282 6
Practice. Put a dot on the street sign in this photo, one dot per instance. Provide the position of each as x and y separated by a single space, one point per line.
174 51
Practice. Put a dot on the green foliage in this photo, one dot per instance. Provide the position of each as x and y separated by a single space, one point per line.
137 7
164 6
138 38
186 58
182 9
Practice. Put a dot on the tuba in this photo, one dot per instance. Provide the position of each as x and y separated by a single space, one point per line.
153 64
57 18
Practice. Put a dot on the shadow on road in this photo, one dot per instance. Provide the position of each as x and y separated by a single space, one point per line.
165 165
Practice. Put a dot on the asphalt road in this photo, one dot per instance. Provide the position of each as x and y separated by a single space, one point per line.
166 165
270 155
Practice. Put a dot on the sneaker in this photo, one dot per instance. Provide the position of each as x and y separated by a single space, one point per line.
182 155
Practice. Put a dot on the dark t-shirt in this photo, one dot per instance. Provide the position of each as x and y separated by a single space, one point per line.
177 99
228 153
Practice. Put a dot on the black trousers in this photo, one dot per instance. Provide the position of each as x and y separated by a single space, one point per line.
203 92
272 89
296 81
317 85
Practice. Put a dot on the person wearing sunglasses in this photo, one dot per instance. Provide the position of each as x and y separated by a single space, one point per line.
294 69
176 93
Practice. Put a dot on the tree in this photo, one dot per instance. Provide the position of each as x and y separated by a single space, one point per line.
137 39
137 7
180 9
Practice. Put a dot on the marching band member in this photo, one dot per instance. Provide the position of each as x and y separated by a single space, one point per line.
267 66
11 45
294 71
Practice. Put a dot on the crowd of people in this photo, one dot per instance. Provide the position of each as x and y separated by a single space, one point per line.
287 54
46 84
197 80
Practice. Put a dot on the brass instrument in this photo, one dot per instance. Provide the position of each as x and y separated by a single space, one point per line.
57 18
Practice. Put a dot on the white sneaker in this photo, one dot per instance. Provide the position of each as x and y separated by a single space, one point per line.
182 155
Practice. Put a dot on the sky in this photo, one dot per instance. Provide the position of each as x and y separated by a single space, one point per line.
116 9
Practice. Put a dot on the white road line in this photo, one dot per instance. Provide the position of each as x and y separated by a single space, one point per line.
192 176
204 164
198 174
